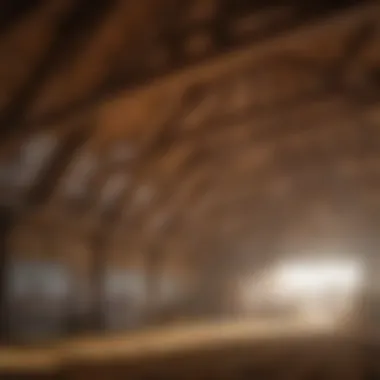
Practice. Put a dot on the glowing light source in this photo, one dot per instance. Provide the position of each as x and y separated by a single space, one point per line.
313 289
317 277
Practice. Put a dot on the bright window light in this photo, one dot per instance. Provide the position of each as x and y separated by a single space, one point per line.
298 278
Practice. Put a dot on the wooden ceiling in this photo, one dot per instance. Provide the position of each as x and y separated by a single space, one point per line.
178 145
63 57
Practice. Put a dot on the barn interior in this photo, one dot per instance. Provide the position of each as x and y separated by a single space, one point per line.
189 189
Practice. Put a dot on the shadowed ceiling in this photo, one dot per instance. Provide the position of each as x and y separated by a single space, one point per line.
63 57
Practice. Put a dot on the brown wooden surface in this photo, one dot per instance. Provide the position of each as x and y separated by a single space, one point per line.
135 196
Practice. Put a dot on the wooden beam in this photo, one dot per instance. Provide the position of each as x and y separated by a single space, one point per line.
81 19
115 84
14 11
49 178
